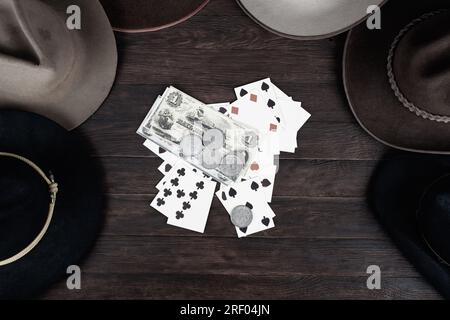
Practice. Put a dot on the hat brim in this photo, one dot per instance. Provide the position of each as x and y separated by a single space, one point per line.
135 16
370 96
79 207
395 191
306 21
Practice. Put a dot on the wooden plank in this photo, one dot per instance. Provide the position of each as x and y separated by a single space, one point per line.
221 8
205 286
134 101
317 140
252 256
225 33
311 218
325 236
313 178
226 67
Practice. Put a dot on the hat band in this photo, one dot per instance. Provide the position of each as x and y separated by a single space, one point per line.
53 188
390 72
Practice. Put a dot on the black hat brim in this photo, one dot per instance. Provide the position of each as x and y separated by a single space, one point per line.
78 215
395 191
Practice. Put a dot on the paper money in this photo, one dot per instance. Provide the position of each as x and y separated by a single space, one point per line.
212 142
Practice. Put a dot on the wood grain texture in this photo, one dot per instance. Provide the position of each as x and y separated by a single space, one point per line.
201 287
325 235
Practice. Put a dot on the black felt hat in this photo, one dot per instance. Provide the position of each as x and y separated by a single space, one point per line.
25 199
410 194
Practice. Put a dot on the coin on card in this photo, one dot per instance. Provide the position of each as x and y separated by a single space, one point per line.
241 216
251 139
191 145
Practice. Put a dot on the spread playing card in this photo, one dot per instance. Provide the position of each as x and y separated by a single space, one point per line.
183 131
248 194
185 198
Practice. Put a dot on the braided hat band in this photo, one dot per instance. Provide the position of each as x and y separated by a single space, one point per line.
53 189
393 82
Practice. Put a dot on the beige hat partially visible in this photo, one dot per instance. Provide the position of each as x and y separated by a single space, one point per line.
308 19
48 69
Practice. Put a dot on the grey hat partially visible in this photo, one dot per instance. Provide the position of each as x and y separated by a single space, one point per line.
308 19
50 70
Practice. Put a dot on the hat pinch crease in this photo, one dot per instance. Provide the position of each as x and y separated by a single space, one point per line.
390 72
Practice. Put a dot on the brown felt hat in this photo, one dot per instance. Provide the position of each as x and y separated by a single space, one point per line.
149 15
397 79
48 69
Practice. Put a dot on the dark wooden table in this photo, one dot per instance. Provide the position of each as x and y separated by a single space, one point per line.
325 236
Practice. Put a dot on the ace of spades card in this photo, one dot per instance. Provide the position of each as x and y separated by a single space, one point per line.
250 194
185 197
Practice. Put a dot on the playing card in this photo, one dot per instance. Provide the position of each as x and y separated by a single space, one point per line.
266 94
250 194
292 118
186 198
165 167
220 107
266 180
249 111
161 152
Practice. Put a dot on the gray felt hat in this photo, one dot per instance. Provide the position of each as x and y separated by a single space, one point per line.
308 19
49 69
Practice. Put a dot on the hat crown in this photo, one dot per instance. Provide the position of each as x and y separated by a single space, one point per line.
23 208
421 64
14 41
36 49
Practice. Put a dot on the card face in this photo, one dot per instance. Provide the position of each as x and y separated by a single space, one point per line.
250 194
292 115
165 167
265 93
248 111
185 198
266 181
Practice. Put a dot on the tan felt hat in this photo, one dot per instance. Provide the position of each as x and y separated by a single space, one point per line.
308 19
49 69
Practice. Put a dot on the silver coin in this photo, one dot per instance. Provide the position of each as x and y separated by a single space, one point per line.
210 158
232 164
241 216
213 136
251 139
191 145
